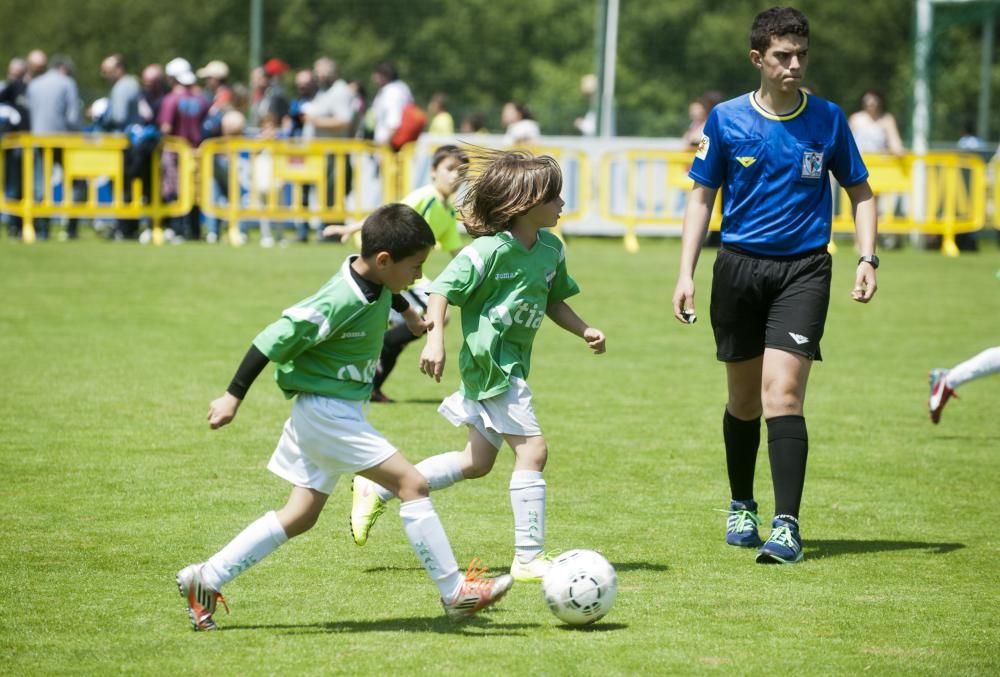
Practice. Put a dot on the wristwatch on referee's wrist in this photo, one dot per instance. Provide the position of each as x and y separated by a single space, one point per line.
873 260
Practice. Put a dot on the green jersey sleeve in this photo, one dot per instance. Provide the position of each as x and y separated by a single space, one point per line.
461 277
563 286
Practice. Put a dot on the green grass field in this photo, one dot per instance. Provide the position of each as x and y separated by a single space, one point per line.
112 481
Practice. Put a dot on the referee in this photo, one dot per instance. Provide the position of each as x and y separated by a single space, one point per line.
771 151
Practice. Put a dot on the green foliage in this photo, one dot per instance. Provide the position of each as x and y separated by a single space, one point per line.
112 481
485 52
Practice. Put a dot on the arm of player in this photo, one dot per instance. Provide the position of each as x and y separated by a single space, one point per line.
564 316
344 232
223 409
865 227
417 325
432 357
700 202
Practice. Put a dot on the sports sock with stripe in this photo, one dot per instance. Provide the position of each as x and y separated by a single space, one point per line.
428 540
250 546
527 498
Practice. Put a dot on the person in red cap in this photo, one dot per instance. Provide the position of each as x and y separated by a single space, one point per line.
273 101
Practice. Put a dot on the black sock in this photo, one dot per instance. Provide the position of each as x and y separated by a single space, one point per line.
392 345
788 448
742 440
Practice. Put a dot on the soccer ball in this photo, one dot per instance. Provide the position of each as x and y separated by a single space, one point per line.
580 586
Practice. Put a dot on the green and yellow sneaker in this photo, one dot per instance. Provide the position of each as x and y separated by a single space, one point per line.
366 507
533 571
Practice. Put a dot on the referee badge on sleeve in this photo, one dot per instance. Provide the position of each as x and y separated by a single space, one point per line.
702 151
812 165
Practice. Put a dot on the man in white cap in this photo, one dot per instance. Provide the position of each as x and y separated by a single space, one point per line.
182 114
213 75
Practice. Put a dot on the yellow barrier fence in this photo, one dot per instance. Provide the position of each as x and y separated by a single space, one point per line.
640 188
54 168
952 196
342 180
322 181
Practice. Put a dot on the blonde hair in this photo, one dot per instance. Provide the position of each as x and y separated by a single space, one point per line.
505 184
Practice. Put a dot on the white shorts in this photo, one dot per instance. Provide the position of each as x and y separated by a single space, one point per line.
509 413
325 438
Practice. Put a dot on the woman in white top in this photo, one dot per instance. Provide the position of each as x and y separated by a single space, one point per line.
521 127
873 127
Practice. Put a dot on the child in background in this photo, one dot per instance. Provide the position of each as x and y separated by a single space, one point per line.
434 203
511 276
325 348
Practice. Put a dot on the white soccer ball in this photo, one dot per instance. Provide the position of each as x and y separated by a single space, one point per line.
580 587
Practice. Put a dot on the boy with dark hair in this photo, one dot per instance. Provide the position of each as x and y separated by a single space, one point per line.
773 151
434 202
325 348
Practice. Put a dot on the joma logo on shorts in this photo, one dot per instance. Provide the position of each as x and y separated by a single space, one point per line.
505 276
353 334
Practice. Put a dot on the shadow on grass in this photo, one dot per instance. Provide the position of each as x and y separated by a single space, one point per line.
638 566
818 549
437 624
595 627
619 567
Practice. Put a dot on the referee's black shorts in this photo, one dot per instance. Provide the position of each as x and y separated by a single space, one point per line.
769 302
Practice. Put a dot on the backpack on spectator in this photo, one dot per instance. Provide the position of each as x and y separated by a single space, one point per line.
411 125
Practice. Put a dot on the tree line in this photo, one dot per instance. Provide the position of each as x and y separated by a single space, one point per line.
482 53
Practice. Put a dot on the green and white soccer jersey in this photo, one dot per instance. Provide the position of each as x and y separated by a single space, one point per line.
503 290
329 343
439 215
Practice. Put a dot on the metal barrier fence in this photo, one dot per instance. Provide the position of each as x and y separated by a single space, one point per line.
83 176
319 181
629 188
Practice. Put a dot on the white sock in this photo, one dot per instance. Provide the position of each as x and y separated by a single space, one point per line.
430 543
440 471
252 545
527 498
983 364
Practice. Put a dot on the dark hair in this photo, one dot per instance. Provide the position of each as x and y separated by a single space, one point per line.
774 23
445 152
387 70
397 229
877 93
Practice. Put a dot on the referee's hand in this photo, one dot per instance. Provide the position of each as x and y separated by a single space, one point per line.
684 301
865 284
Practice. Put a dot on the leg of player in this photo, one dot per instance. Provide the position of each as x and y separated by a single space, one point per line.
527 499
741 433
200 584
441 471
461 596
783 390
944 382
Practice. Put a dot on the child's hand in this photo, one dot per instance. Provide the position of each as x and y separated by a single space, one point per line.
336 230
222 410
595 339
417 325
432 361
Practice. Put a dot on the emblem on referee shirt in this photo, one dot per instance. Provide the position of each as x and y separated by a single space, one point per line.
702 151
812 165
746 160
